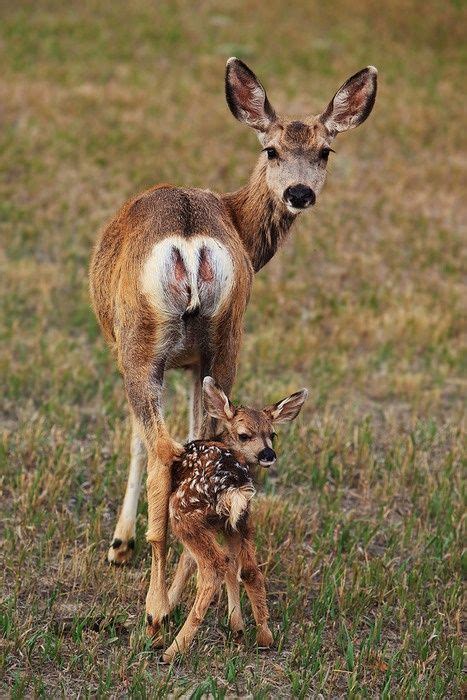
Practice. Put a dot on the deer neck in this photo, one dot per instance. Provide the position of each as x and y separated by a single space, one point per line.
261 221
223 438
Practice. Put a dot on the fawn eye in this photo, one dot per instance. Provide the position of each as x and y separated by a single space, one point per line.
273 436
272 153
325 152
243 437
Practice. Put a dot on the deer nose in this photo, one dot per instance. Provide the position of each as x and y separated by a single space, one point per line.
267 457
299 196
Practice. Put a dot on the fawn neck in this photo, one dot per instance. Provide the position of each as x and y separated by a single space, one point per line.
223 438
262 221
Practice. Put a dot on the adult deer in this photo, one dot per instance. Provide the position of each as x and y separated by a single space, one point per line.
170 279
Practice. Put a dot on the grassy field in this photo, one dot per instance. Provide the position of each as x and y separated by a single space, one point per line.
360 526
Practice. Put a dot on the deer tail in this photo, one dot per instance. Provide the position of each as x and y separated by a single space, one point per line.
233 503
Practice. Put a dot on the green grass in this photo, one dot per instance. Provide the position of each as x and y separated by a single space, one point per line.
360 526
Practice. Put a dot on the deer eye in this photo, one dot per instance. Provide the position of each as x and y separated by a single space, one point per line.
272 153
273 436
325 152
243 437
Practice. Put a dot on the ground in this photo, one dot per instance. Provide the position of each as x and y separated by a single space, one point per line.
359 528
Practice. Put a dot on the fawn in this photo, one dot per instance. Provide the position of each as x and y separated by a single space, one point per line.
212 485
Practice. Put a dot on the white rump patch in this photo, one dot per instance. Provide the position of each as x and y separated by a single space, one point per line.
186 274
234 502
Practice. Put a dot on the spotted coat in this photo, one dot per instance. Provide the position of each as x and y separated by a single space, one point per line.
201 476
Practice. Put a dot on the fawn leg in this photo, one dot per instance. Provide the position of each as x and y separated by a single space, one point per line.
212 564
253 580
185 567
123 541
232 584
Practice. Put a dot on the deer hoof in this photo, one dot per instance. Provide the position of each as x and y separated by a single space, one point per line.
264 637
155 630
121 551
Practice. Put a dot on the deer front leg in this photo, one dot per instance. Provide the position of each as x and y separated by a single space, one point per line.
123 541
196 406
222 363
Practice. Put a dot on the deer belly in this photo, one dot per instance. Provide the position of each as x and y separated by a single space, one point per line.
185 277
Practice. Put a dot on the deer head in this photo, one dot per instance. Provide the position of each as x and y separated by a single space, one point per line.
296 151
249 431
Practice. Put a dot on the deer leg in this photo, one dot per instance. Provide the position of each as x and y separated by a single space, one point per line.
185 567
253 581
123 541
221 364
144 391
186 564
158 491
212 563
196 406
232 585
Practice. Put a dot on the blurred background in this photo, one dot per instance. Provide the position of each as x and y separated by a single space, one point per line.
359 526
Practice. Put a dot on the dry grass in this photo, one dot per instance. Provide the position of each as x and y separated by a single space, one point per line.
360 527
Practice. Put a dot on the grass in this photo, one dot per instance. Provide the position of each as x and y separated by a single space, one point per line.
360 527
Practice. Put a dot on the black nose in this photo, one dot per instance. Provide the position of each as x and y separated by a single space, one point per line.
266 457
299 196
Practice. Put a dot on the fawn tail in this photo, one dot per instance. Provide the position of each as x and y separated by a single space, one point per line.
234 502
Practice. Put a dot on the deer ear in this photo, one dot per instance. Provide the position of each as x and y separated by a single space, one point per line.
352 103
287 409
246 96
216 402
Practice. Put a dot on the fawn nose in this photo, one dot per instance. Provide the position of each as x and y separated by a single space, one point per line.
267 457
299 196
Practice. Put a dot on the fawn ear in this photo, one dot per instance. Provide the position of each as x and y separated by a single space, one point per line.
287 409
216 402
352 103
246 96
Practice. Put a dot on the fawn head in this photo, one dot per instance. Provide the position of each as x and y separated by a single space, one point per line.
250 431
296 151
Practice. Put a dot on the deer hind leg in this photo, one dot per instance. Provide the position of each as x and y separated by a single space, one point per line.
196 406
253 581
123 541
212 561
185 568
232 585
144 390
220 357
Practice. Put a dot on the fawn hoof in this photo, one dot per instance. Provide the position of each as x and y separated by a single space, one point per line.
155 630
237 628
264 638
167 657
121 551
238 636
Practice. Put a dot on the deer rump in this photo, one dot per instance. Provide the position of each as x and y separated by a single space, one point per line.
186 277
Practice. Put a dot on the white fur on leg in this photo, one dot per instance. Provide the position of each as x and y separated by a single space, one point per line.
123 542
